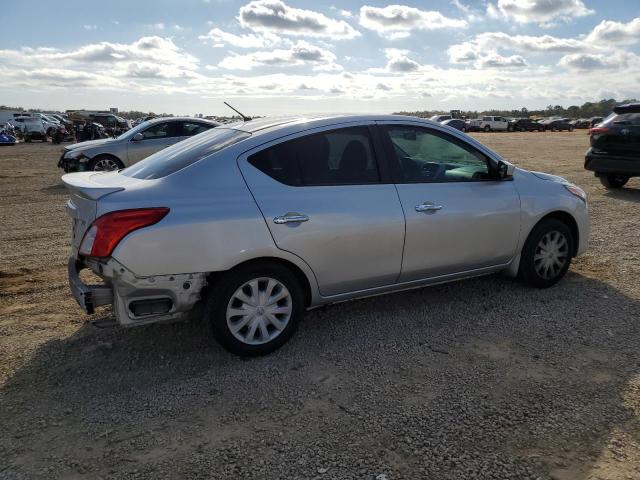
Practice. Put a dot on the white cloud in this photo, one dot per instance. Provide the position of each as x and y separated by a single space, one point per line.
543 12
276 16
397 21
620 33
499 61
301 53
585 62
399 61
90 27
220 38
148 56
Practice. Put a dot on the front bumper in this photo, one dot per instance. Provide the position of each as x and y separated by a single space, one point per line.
605 163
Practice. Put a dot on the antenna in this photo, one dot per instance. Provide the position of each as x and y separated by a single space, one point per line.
244 117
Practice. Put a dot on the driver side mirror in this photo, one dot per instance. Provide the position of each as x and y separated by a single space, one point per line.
137 137
505 170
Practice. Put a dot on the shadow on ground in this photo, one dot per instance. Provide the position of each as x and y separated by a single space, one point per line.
482 376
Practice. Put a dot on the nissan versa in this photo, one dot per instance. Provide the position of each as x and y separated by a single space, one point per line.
261 220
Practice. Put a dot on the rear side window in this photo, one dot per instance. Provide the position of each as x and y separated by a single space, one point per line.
624 119
193 128
182 154
338 157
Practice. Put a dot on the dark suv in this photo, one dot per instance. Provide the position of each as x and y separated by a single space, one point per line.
525 125
615 147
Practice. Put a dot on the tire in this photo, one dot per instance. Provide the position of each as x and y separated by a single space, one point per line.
487 128
571 129
250 339
540 267
104 163
613 182
463 130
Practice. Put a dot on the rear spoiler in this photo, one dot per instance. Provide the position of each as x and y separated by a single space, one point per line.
81 183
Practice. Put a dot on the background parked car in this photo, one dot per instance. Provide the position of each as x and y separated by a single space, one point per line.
557 125
580 123
457 123
491 123
133 145
525 125
32 128
614 155
440 118
593 121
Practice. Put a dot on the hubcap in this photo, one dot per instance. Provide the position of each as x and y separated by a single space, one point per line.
551 255
106 165
259 311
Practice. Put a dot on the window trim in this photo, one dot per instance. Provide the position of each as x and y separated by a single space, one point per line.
376 146
394 165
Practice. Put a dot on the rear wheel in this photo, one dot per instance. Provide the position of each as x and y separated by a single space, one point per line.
254 310
546 254
487 128
104 163
614 181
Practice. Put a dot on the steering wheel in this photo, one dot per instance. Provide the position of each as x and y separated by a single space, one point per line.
432 171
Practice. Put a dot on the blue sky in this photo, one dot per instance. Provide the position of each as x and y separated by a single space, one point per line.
296 56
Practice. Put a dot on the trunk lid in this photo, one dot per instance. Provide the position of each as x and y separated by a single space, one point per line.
86 189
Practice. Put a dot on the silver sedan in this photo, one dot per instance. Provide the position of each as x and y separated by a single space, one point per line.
259 221
132 146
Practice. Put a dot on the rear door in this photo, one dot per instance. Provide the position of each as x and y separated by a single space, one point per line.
324 198
458 218
155 138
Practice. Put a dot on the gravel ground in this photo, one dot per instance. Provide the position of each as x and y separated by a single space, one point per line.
472 380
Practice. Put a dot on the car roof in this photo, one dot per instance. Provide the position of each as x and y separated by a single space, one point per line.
628 108
181 119
301 123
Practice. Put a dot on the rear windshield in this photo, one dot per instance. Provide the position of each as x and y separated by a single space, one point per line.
182 154
622 119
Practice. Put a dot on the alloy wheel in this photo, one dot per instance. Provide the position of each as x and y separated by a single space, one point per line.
551 255
259 311
105 165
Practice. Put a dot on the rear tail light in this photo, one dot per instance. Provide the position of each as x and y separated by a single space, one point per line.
107 231
598 130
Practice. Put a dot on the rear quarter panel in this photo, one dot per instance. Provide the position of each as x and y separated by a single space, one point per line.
213 225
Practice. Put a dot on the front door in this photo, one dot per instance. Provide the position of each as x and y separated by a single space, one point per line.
323 199
458 217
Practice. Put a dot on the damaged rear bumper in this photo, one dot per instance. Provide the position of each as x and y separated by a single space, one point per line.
135 300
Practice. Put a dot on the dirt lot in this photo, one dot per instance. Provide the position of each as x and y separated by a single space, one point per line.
478 379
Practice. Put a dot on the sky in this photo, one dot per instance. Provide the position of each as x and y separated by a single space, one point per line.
274 57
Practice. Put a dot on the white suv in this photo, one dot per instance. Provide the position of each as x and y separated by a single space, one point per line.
490 123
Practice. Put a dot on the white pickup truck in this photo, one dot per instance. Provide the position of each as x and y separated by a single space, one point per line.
489 123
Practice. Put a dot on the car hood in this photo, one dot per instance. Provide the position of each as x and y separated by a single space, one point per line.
551 178
89 144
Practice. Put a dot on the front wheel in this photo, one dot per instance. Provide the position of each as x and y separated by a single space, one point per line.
546 254
254 310
613 181
487 128
104 163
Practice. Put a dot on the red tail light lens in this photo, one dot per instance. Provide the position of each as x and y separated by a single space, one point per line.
598 130
107 231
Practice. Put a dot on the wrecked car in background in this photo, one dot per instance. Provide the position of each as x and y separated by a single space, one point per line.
132 146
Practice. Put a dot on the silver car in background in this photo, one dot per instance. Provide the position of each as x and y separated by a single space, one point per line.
259 221
133 145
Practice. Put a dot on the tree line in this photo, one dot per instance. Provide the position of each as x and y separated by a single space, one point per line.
586 110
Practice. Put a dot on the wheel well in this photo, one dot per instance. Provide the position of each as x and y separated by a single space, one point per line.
570 222
213 277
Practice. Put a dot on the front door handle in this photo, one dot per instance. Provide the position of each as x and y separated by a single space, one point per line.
428 207
290 218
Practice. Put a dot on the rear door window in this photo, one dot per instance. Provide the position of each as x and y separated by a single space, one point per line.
338 157
189 129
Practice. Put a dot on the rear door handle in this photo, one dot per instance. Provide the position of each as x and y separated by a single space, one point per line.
290 218
428 207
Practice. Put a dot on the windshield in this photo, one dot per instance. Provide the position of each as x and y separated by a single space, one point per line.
185 153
